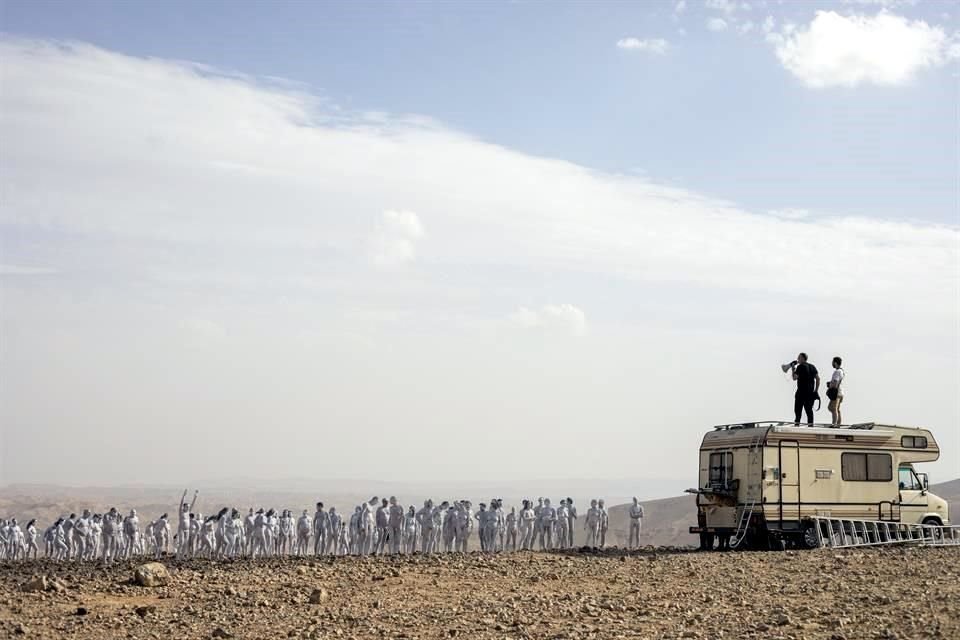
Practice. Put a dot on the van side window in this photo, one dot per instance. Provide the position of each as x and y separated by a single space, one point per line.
721 468
909 480
866 467
913 442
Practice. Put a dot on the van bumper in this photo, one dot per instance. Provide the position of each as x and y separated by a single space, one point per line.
711 530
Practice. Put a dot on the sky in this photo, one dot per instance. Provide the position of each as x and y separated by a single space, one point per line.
428 242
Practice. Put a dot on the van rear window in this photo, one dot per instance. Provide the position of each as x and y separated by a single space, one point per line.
913 442
866 467
721 469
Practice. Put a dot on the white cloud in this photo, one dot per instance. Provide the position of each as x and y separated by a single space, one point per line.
680 7
835 50
394 240
768 24
560 318
133 168
656 46
717 24
746 27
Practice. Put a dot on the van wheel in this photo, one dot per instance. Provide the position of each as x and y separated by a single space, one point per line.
706 542
934 522
808 538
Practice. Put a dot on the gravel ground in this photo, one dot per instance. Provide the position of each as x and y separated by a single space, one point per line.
883 593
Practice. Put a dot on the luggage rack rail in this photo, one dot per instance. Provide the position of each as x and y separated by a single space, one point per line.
843 533
760 424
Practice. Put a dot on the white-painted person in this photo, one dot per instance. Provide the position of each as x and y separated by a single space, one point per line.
438 513
464 525
483 520
395 524
548 516
16 540
95 539
333 527
60 549
183 524
383 526
258 542
343 540
81 533
249 524
512 528
636 523
286 531
30 540
501 522
319 527
161 536
425 520
604 522
273 532
572 520
591 525
410 526
527 523
355 532
48 535
112 522
563 520
193 535
68 534
149 540
304 527
131 534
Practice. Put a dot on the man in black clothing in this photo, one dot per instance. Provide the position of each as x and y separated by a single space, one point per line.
808 385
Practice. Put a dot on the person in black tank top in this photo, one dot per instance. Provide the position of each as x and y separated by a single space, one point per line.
808 385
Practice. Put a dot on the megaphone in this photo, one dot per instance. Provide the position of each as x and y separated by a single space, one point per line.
788 366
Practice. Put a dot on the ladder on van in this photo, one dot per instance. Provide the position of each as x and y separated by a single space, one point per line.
843 533
756 443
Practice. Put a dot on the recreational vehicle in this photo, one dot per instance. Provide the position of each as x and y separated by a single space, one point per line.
762 482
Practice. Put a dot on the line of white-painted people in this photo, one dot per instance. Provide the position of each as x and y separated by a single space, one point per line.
375 527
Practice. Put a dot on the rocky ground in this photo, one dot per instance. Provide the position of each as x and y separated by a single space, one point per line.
887 593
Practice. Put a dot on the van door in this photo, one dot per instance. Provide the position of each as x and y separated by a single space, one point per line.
789 480
913 497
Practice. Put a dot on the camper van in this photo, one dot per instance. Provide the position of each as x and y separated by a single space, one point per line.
762 482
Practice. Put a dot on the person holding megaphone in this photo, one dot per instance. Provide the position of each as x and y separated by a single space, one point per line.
808 387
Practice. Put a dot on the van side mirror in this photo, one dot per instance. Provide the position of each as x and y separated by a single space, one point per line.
924 480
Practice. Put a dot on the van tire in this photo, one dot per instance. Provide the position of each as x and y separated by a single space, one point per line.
808 537
933 521
706 542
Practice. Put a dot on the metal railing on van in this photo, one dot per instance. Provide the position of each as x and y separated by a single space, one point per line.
841 533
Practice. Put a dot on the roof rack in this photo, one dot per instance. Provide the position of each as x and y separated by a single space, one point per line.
784 423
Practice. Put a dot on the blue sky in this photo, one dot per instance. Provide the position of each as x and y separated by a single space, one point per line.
368 229
718 113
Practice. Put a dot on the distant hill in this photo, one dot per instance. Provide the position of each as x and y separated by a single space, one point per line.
950 491
667 521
